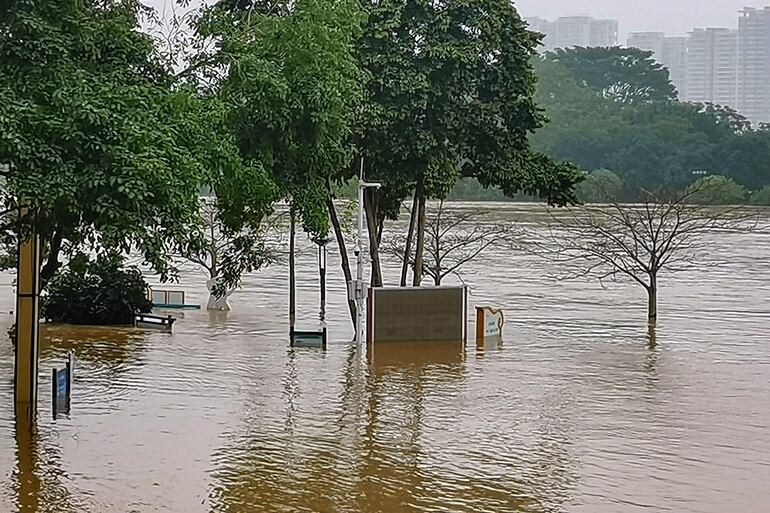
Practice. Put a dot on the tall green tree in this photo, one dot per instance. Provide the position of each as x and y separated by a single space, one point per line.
294 86
450 94
627 75
289 72
97 137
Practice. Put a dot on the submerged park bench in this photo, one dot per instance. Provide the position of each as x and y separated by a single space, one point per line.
149 321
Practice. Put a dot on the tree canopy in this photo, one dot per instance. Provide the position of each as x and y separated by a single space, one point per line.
627 75
652 144
97 136
450 95
293 82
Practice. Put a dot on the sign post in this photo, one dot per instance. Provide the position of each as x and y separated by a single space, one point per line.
27 320
61 387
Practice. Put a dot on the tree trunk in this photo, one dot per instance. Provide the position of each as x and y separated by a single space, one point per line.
292 279
436 249
345 261
652 301
420 249
372 225
408 245
52 264
437 265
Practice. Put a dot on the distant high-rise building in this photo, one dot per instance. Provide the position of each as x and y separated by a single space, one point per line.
573 31
647 41
712 69
545 27
671 52
754 64
674 57
604 33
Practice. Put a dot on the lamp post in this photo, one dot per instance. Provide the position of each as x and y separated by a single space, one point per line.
359 288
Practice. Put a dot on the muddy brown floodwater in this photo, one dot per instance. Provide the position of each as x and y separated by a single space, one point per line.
577 411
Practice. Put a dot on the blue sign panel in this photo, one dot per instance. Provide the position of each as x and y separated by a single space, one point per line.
62 385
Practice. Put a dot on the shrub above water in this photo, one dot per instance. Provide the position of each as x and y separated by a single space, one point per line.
100 292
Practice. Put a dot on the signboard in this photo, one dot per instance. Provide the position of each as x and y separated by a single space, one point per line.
62 387
489 324
417 314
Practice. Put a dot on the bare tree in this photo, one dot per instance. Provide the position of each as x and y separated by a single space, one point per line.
638 241
452 240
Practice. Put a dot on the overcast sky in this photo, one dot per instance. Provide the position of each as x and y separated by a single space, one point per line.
675 17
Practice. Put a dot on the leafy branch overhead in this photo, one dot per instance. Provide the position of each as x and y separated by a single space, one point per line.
97 136
295 90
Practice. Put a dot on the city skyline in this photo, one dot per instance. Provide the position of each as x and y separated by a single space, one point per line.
680 17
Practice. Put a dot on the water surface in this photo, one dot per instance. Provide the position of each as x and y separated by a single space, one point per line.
577 411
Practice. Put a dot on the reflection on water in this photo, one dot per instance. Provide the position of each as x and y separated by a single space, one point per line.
581 409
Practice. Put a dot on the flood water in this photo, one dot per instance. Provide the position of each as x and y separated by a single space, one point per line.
577 411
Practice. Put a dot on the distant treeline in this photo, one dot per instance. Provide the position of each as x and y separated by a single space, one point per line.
615 113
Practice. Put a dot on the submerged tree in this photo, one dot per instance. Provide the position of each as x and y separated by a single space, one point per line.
225 253
453 239
662 234
288 70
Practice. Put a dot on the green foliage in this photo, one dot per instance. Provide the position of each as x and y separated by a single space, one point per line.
761 196
600 186
295 88
450 94
98 137
469 189
627 75
651 144
716 190
99 292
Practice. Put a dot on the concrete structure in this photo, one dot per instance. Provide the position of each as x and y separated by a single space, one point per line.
571 31
604 33
712 66
417 314
674 57
647 41
754 64
545 27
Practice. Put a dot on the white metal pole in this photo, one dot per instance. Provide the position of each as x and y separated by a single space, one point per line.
359 286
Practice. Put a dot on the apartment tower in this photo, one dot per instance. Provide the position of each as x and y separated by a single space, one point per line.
712 68
754 64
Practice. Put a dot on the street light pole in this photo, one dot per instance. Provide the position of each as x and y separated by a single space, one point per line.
359 287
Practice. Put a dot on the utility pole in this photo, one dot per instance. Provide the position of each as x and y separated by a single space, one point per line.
358 286
27 318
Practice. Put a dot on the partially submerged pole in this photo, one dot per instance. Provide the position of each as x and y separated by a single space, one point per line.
27 320
322 273
292 280
359 287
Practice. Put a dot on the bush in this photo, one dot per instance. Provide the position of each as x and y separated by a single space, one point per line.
717 190
761 197
100 292
600 186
